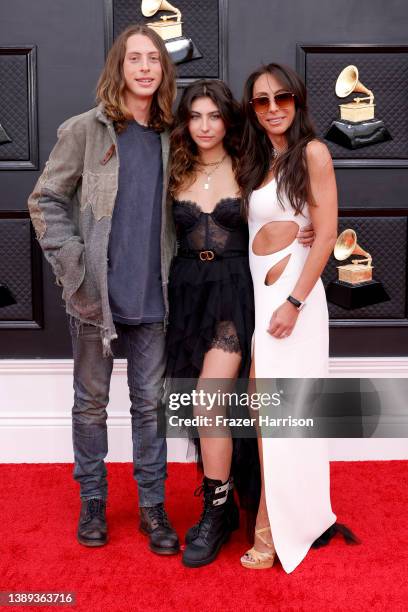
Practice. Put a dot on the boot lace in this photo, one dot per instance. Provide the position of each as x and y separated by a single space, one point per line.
157 516
95 508
200 490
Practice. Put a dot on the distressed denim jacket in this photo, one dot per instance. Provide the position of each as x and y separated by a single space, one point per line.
71 210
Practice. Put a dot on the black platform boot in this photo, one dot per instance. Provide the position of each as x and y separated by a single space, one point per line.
214 527
233 512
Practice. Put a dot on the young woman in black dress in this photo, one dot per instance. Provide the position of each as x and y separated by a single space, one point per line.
210 290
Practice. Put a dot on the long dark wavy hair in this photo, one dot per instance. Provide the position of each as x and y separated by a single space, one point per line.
256 153
111 85
183 150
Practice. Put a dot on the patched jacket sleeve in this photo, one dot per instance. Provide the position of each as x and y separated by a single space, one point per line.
50 205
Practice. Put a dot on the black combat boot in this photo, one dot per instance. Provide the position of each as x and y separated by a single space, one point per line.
233 512
214 527
154 522
92 529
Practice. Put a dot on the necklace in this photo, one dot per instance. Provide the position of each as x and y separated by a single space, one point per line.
277 153
209 174
209 163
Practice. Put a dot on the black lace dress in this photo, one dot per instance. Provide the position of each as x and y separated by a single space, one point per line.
212 305
210 287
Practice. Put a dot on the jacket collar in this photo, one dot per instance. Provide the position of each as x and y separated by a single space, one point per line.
100 114
164 137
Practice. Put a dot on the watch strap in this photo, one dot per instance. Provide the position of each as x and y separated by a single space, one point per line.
295 302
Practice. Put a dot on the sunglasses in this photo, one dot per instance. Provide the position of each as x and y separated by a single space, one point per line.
262 104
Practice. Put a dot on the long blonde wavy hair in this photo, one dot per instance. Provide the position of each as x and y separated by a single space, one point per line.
111 86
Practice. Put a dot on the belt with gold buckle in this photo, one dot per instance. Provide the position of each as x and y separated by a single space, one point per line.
206 255
210 255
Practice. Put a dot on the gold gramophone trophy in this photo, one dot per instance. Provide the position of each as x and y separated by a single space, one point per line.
355 286
169 27
357 126
4 137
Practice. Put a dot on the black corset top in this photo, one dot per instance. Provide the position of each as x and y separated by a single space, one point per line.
222 230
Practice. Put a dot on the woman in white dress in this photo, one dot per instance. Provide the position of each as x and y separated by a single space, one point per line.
287 181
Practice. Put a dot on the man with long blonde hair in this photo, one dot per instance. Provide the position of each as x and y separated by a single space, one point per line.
107 233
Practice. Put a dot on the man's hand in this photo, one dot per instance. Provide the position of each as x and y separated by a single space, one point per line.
306 236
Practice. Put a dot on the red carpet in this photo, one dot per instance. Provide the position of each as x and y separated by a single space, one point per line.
39 509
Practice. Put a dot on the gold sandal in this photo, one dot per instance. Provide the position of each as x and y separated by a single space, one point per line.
254 559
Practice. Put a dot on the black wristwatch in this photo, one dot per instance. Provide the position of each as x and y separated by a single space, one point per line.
299 305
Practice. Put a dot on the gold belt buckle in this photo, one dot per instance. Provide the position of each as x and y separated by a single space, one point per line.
206 255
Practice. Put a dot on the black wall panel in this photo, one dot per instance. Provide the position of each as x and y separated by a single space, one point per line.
18 108
385 68
13 105
20 272
385 238
201 23
69 37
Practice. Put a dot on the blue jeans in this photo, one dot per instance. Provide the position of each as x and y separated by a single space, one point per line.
145 352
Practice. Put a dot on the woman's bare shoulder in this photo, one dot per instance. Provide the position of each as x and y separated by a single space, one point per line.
317 153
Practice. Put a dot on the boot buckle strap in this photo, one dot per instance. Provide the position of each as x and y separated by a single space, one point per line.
222 488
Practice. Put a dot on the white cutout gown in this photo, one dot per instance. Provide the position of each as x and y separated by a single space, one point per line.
296 470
